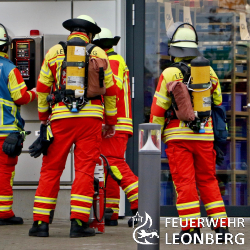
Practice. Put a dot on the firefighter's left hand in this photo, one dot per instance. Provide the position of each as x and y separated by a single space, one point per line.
108 131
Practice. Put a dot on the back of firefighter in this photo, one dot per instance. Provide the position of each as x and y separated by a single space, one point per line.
114 148
13 93
191 155
82 129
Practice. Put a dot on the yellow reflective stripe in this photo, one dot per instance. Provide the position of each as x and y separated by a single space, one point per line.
38 210
109 73
5 208
4 135
8 127
45 72
214 205
133 197
131 187
112 201
49 132
80 114
184 130
126 98
219 215
119 81
43 109
189 137
6 102
86 107
45 200
84 210
81 198
110 111
124 120
158 95
12 178
189 205
124 128
194 216
6 198
115 210
57 59
18 87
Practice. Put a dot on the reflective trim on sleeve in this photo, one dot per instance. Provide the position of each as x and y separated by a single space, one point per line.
110 112
124 120
112 201
164 98
18 87
109 73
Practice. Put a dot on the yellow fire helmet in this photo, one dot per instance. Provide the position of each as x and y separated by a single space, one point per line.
183 40
4 38
105 39
82 23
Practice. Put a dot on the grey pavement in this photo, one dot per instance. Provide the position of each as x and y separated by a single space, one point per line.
114 238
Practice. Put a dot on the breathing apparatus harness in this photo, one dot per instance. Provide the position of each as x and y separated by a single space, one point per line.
201 118
72 99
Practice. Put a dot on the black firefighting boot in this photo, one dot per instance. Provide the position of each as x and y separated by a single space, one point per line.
11 221
130 221
39 229
108 214
80 229
190 233
223 231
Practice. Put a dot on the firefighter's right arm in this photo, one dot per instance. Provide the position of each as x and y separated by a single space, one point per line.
44 83
111 91
161 101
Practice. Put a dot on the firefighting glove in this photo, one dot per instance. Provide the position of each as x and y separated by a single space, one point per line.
13 144
42 143
219 155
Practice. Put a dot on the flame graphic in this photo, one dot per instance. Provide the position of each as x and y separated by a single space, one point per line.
148 218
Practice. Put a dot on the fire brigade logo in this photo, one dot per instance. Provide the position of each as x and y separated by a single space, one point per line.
140 235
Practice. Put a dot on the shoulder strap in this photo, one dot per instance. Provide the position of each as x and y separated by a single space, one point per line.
112 53
184 68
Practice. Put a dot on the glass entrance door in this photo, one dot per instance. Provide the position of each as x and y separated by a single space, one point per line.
221 40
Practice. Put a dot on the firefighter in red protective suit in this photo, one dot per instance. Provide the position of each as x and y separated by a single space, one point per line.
114 148
82 128
191 155
13 93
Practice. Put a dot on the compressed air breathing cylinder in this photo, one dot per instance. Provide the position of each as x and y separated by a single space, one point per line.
75 70
201 89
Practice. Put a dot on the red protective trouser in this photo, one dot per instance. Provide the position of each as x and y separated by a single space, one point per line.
85 133
7 172
192 166
114 149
